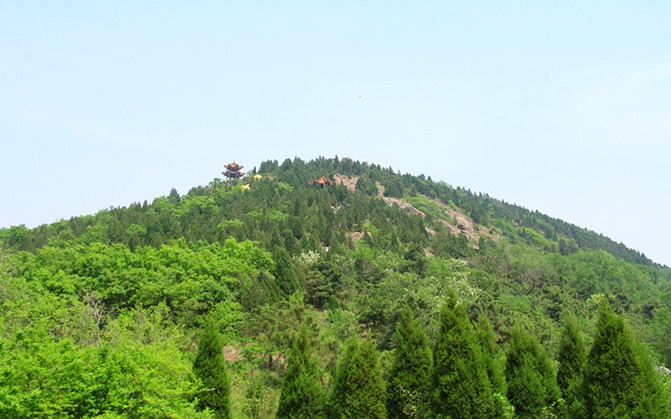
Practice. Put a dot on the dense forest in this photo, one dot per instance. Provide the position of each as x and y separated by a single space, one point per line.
380 295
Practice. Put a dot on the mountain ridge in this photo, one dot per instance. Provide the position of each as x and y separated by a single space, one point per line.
478 207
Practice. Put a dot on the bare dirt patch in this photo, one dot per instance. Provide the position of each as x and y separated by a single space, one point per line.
232 354
357 235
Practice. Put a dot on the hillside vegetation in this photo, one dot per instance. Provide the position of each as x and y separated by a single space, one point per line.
334 299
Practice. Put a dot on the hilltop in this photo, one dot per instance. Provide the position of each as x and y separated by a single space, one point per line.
268 251
447 206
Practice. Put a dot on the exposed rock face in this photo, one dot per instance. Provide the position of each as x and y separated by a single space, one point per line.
380 189
404 205
463 224
349 182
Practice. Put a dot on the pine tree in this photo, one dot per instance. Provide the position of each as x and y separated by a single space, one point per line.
410 369
210 367
359 390
460 386
571 357
532 383
302 394
619 377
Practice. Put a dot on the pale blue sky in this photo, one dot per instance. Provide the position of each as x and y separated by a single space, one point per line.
564 107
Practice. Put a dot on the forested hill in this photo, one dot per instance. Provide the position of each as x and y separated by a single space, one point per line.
209 213
306 287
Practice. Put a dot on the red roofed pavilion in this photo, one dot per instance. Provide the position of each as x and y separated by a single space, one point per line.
322 181
233 171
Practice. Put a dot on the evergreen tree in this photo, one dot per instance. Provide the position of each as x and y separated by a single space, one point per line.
410 369
285 271
358 391
532 383
460 386
302 394
416 260
619 377
571 357
210 367
493 361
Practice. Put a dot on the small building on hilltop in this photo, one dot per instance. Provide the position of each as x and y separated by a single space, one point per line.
321 182
233 171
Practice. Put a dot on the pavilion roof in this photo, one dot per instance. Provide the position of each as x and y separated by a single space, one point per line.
324 181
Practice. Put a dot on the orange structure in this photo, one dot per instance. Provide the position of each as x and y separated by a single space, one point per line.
322 181
233 171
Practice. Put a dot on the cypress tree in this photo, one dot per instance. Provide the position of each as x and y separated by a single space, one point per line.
619 377
285 272
460 386
210 367
571 357
359 390
302 394
493 362
410 369
532 383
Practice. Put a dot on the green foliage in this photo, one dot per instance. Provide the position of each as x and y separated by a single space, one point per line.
619 376
409 374
415 260
445 244
98 313
288 280
302 393
358 391
571 358
210 368
65 357
460 386
494 366
366 186
532 383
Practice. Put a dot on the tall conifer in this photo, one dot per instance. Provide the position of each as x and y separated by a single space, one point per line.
493 362
460 386
409 374
210 367
571 357
619 377
532 383
302 394
359 390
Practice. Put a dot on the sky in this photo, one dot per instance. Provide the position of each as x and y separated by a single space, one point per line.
561 107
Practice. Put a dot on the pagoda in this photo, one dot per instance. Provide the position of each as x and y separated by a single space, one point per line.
233 171
322 181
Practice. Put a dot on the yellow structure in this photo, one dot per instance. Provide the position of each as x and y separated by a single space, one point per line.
245 187
258 177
